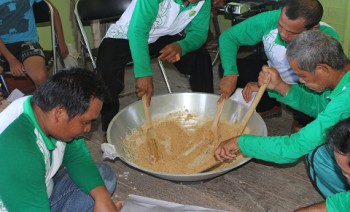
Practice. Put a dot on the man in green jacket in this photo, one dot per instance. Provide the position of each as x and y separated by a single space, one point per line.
321 65
275 29
45 164
173 29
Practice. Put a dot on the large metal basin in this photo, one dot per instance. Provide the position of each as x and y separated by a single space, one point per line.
203 105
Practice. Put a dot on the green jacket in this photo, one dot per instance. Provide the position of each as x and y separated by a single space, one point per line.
328 108
261 27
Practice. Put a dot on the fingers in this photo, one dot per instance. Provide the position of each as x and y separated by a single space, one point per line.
227 150
119 205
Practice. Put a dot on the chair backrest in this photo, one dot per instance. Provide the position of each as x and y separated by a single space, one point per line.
89 10
42 12
102 10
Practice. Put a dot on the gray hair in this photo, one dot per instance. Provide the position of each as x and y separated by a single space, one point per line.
314 47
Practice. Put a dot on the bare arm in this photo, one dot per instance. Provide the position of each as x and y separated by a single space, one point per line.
16 67
59 32
103 201
318 207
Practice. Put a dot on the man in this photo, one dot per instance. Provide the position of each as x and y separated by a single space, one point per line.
321 65
276 29
20 51
45 164
152 28
338 151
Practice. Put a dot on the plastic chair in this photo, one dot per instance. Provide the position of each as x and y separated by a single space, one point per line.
43 13
103 11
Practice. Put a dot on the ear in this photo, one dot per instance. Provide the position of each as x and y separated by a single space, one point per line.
326 69
58 112
316 27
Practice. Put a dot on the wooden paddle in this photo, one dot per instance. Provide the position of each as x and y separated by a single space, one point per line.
243 124
151 135
214 126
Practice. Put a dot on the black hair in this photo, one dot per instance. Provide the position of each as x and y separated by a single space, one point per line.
72 89
310 10
338 137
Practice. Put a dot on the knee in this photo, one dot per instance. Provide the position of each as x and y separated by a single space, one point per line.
108 176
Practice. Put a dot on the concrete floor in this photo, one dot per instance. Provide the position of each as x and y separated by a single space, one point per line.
255 186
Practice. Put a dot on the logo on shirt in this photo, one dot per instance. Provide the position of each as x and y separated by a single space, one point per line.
192 13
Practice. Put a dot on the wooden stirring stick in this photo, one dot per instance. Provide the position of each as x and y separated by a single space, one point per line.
244 122
150 133
214 127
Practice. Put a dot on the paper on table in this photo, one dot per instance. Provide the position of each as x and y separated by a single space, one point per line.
237 96
144 204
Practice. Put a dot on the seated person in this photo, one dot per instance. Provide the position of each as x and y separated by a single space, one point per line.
152 28
322 66
20 51
45 164
276 29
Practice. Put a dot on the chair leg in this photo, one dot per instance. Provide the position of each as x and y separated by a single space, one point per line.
164 75
5 85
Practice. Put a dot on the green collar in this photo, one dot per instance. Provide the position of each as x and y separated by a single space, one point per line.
50 143
342 85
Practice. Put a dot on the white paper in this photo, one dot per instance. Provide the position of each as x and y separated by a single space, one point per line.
109 151
237 96
15 94
144 204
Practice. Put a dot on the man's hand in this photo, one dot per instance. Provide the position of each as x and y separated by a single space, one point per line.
227 85
249 88
227 149
103 201
16 67
171 53
271 77
144 86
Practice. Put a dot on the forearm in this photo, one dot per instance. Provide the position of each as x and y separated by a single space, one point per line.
318 207
103 201
5 52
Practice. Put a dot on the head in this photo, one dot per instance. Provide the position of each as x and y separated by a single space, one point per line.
314 56
338 137
72 99
298 16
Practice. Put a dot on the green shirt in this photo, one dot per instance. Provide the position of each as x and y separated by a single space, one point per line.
29 159
144 22
328 107
262 27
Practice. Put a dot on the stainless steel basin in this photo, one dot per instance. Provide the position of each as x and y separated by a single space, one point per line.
203 105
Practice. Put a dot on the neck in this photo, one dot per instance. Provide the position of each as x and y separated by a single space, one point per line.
338 75
40 117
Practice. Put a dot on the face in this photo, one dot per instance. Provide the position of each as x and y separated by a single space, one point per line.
67 129
290 29
342 161
317 81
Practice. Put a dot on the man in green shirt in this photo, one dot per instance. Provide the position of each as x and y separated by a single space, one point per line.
45 164
275 29
321 65
173 29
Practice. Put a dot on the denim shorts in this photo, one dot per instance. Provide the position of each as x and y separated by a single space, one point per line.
22 50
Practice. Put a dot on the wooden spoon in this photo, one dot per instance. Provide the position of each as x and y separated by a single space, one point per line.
214 127
150 132
243 124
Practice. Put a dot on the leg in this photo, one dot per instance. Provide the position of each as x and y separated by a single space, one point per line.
197 64
66 196
113 55
325 172
33 59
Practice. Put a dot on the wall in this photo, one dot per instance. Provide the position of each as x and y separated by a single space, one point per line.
336 13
